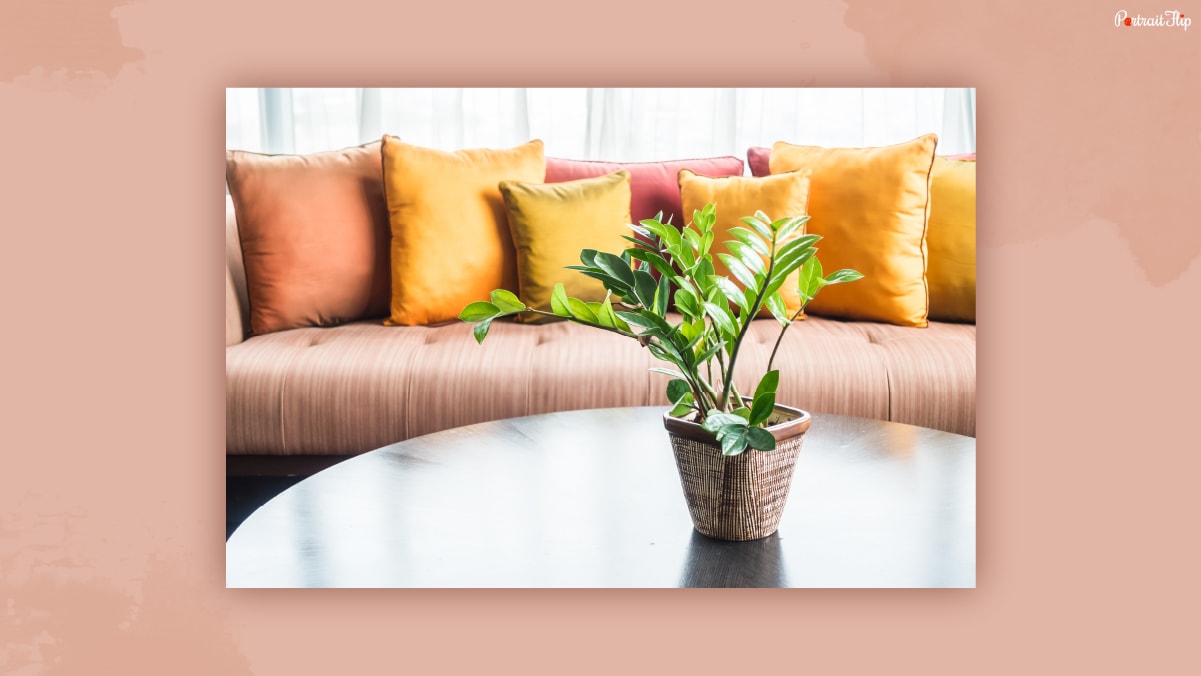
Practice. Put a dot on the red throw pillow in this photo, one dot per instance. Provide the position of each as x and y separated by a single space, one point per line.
654 186
758 159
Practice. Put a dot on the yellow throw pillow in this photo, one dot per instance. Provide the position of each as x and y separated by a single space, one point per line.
951 239
781 196
450 237
552 222
871 206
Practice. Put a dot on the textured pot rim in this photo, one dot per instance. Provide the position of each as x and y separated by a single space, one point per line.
782 432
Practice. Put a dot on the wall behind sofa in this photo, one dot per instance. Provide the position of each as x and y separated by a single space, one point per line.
609 124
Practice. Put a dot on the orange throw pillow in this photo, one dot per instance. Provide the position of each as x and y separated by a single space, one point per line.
450 237
871 207
952 241
314 234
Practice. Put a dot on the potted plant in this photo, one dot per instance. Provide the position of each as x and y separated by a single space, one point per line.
731 494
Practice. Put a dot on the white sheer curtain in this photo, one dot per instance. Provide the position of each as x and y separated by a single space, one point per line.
608 124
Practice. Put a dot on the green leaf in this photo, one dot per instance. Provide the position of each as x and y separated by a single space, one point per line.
506 302
738 270
588 257
669 372
605 319
644 288
708 353
721 317
639 244
681 342
726 430
670 346
730 291
704 217
693 238
844 275
734 443
646 319
749 296
683 407
764 400
580 310
687 303
769 383
661 354
608 281
706 242
715 419
743 412
760 439
786 266
750 239
762 407
792 248
702 274
683 255
616 267
558 301
621 323
810 279
481 330
672 238
659 262
609 318
775 303
641 231
657 227
789 227
760 225
749 257
693 331
479 311
676 389
662 296
657 219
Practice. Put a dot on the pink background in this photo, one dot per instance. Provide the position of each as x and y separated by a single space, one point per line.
111 487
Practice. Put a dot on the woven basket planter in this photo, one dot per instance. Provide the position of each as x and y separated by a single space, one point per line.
738 497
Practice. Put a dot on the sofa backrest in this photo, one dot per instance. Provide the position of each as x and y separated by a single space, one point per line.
237 303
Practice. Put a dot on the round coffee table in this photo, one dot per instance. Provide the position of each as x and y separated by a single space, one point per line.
592 499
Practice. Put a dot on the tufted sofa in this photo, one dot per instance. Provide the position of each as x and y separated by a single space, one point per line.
352 388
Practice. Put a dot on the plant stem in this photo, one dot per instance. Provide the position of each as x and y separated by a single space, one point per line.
709 389
779 338
750 317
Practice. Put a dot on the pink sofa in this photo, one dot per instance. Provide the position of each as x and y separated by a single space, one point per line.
348 389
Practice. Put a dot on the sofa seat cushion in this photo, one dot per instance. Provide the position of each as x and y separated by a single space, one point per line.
353 388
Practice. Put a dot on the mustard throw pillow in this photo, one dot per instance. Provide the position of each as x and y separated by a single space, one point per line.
951 239
871 207
551 223
781 196
450 238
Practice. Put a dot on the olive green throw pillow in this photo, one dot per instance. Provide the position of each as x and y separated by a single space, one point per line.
552 222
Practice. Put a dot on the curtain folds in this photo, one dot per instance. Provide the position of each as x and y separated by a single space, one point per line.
605 124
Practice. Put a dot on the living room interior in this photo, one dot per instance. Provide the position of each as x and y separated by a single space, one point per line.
352 257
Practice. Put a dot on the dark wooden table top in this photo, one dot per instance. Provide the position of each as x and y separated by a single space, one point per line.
592 499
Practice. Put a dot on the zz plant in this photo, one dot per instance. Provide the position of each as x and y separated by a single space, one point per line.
714 313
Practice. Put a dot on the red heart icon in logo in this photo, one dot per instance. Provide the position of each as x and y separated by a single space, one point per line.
1127 21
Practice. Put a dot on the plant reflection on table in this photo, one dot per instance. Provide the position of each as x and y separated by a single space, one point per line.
719 563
